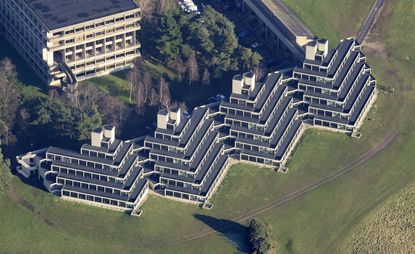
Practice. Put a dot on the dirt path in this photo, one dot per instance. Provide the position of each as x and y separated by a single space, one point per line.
388 139
375 150
16 197
370 20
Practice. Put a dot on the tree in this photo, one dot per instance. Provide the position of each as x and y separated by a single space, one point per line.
182 106
113 111
259 72
147 86
133 78
86 113
180 68
87 122
154 97
247 58
192 68
5 173
55 118
164 6
214 34
140 98
259 236
170 39
206 76
164 93
9 99
147 7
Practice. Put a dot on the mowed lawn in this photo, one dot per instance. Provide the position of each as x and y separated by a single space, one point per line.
332 19
318 222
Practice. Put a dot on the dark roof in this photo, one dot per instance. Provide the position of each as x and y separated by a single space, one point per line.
60 13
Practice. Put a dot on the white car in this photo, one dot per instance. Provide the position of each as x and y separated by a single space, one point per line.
255 45
220 97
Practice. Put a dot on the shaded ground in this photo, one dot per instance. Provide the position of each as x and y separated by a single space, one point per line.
316 222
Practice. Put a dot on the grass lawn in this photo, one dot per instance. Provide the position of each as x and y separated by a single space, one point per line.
332 19
392 225
321 221
113 84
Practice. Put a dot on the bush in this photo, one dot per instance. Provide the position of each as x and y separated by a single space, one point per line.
260 237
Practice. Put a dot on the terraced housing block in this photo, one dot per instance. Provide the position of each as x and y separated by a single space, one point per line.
187 157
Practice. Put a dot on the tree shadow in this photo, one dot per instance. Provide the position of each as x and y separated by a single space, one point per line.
231 231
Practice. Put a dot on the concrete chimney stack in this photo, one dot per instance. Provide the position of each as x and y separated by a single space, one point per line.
323 46
96 137
249 80
237 83
310 51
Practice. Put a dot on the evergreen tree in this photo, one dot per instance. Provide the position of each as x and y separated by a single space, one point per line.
87 122
216 40
170 39
247 58
260 236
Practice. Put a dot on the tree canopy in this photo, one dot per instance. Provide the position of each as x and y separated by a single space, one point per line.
260 237
214 34
5 173
9 98
169 40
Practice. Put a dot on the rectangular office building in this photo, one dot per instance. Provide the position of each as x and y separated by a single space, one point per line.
69 41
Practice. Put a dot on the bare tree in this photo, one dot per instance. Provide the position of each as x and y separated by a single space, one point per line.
180 68
206 76
113 110
183 106
9 98
147 86
192 68
259 72
7 67
133 77
153 97
147 7
140 98
164 93
86 99
163 5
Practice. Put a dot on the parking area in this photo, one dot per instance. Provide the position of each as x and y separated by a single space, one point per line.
251 33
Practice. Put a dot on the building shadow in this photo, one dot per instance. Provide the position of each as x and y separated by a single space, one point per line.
231 231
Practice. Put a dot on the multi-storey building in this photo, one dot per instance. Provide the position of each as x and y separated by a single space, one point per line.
280 26
66 41
187 157
263 117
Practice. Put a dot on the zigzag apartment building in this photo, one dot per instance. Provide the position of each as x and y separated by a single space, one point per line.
69 41
187 157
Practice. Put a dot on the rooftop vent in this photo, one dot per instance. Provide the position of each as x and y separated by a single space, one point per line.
103 136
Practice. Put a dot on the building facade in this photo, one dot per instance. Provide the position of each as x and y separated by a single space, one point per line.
69 41
187 156
280 26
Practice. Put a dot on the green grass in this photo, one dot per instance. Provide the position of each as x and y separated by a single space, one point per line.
388 229
114 85
321 221
332 19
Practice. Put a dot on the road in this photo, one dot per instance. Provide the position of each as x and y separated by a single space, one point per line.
370 20
375 150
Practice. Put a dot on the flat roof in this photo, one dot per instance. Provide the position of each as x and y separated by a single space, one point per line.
61 13
286 16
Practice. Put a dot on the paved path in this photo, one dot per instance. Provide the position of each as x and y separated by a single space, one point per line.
370 20
388 139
